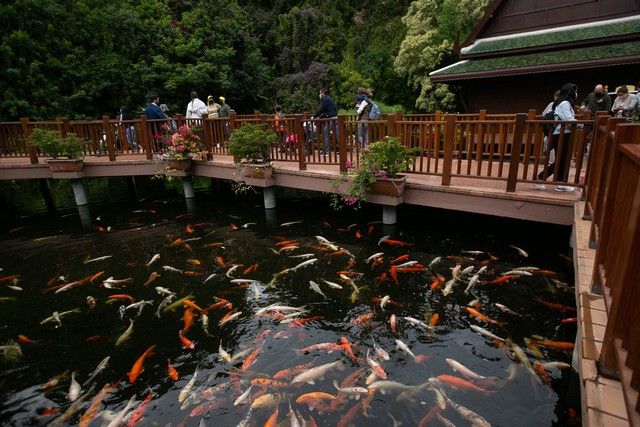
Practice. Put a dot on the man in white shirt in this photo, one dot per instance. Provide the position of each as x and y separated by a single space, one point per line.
196 108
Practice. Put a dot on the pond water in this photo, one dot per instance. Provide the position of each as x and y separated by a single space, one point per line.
229 259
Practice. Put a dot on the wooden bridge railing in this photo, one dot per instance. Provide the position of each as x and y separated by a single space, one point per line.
509 147
614 198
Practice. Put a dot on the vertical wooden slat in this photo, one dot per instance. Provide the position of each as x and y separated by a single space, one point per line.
449 139
516 149
106 129
146 138
26 133
342 143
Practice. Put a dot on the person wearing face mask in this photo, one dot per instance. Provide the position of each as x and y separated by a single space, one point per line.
598 100
625 103
328 110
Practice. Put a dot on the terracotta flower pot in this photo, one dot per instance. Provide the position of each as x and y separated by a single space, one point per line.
389 186
65 165
179 164
260 171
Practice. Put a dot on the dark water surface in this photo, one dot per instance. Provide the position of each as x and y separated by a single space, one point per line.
49 247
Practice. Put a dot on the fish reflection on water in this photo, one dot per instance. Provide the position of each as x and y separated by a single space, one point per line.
285 328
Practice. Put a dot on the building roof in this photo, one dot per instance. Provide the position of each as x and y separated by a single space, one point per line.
581 34
548 61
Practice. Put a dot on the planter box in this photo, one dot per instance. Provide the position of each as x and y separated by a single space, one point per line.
179 164
65 166
389 186
259 171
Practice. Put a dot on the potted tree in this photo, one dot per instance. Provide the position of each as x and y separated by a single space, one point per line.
67 153
182 147
378 172
250 145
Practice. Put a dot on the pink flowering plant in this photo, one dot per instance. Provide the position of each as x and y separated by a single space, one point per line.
381 160
183 144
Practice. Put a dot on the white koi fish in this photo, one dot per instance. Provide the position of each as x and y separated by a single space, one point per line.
520 251
173 269
74 388
304 264
231 270
486 333
374 256
243 398
315 288
506 309
153 259
459 367
101 258
223 354
311 375
332 284
355 392
380 352
101 366
402 346
385 299
126 334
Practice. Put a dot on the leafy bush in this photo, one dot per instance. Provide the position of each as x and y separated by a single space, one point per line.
54 145
252 143
381 160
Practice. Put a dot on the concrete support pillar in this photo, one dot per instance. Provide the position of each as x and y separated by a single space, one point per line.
133 190
269 196
78 191
389 214
85 217
191 205
187 185
271 216
45 189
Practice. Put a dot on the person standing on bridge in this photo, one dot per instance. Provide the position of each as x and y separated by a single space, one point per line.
196 108
328 110
225 112
562 110
598 100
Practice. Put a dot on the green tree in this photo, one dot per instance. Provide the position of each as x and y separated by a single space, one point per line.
434 27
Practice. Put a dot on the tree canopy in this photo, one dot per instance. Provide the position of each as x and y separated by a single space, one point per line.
86 58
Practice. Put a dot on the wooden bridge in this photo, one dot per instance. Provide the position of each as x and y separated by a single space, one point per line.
481 163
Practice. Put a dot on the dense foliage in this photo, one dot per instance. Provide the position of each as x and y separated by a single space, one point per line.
51 144
252 143
87 58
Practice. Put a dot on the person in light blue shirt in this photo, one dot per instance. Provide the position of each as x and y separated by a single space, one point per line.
562 110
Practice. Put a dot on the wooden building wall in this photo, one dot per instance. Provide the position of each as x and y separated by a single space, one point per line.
520 93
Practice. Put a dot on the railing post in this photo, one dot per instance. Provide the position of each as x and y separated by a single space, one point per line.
208 137
449 140
397 120
516 150
146 138
258 115
26 132
233 117
391 125
299 126
482 115
109 135
599 119
342 143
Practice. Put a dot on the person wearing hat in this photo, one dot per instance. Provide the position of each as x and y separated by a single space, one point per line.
196 108
225 110
212 108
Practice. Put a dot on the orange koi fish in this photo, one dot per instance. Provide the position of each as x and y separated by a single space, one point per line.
434 319
187 318
560 307
138 366
195 262
122 297
268 382
23 339
172 372
287 243
376 367
202 224
569 321
349 417
382 278
250 269
431 414
394 273
291 372
188 229
214 245
187 246
393 323
186 342
458 382
547 273
137 414
234 227
400 259
396 243
272 421
220 261
542 373
358 234
94 338
192 273
10 278
414 269
316 395
362 319
251 358
221 303
501 279
193 305
437 282
421 358
482 317
301 322
96 276
556 345
91 413
175 243
346 346
152 278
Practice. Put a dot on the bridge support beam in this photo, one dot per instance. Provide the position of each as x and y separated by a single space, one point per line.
78 191
269 197
45 189
187 185
389 215
131 187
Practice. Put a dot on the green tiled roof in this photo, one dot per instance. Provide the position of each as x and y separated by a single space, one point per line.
515 62
597 31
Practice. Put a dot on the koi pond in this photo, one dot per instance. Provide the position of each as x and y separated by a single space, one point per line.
225 316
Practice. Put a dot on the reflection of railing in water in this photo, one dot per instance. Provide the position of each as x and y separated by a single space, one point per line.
612 197
507 147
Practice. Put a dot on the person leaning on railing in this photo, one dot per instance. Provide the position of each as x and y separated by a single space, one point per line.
562 110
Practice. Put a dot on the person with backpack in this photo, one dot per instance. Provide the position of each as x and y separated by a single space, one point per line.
363 106
562 110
